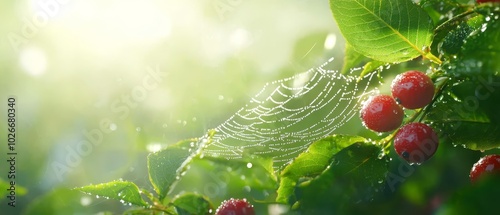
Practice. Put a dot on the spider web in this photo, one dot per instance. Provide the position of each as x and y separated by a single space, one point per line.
287 115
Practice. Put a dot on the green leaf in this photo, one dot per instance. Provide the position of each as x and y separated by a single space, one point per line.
312 162
286 190
124 191
192 204
450 35
370 67
216 177
384 30
437 9
258 172
467 113
166 166
453 41
475 135
246 162
480 51
355 175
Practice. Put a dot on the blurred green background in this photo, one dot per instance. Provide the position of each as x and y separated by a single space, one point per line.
135 76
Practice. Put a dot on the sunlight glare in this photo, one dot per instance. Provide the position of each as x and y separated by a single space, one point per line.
153 147
330 41
240 38
108 28
33 60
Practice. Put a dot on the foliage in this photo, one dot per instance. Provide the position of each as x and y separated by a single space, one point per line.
355 175
165 166
458 42
124 191
389 31
312 163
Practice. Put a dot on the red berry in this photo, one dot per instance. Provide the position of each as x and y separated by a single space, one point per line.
412 89
381 113
489 164
235 207
484 1
416 142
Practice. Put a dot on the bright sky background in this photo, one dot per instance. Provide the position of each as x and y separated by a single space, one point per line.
74 65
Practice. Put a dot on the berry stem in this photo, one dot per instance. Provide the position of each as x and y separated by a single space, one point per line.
439 91
386 142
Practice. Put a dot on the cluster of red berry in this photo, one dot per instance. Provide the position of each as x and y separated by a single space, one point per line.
415 142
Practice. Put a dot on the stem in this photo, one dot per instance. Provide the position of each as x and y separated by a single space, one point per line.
444 27
387 140
433 58
156 203
439 91
150 196
161 208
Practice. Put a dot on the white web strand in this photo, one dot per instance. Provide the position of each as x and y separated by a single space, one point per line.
287 115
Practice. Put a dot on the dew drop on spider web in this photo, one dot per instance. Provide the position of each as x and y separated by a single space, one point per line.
287 115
